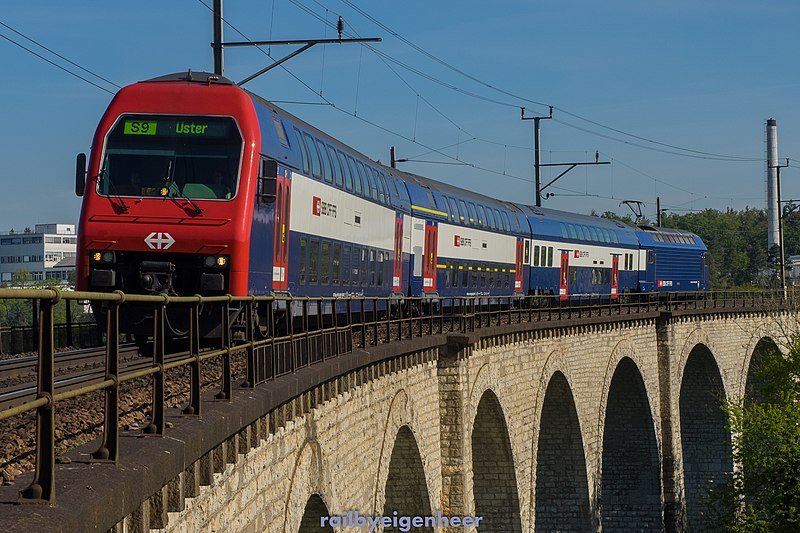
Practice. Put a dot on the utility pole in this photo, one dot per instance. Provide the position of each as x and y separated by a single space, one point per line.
392 159
536 148
537 165
782 257
658 211
219 45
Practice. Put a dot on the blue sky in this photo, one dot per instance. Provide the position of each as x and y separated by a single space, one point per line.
698 75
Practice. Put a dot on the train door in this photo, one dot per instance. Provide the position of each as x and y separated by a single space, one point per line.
397 267
563 289
429 262
280 260
614 276
519 265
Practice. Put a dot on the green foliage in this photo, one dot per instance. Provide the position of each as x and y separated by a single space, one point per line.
764 495
737 243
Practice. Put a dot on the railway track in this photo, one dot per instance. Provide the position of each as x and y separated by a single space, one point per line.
75 369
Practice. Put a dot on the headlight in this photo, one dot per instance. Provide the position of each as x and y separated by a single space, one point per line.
215 261
103 257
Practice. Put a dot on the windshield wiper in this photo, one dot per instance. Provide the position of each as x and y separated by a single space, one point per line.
113 190
176 191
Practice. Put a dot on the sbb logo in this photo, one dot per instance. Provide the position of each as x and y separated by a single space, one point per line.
456 241
320 208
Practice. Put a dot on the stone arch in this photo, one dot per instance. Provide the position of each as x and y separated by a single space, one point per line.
315 509
494 480
699 336
764 349
401 414
406 491
705 440
562 488
309 476
630 484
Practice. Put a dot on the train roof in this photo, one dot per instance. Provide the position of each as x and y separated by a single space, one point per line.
658 237
563 224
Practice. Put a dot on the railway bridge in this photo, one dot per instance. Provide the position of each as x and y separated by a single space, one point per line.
571 419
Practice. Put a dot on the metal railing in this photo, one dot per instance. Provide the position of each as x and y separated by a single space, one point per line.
274 345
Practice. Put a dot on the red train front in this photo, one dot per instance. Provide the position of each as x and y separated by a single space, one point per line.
168 198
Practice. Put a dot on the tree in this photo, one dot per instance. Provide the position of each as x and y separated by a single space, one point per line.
764 494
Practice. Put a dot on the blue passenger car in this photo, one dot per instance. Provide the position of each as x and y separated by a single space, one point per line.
676 260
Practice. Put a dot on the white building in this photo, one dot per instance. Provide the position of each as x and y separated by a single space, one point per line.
48 252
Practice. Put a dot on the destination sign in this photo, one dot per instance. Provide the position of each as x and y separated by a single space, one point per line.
176 127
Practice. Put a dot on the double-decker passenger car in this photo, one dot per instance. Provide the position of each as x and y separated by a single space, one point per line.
195 185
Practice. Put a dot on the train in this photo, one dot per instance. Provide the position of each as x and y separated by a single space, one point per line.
195 185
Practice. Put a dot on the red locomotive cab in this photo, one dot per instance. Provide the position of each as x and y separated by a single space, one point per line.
170 188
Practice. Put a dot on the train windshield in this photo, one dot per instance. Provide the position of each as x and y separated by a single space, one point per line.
161 156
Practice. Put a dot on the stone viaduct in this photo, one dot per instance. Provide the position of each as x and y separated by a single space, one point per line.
609 424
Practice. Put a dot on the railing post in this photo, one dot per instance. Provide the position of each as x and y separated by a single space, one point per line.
250 380
193 408
42 488
225 337
109 447
68 305
35 323
157 423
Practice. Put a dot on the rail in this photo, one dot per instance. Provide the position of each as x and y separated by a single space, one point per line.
274 345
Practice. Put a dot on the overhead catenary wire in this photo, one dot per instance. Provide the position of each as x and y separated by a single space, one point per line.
521 98
697 155
50 50
53 63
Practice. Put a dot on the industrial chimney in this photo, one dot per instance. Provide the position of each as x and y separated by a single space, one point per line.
773 209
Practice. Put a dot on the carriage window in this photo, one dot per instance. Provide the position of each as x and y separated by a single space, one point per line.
337 261
550 256
356 178
536 255
382 177
348 178
364 267
327 174
462 211
355 265
482 216
483 279
366 176
303 151
506 223
527 256
346 265
313 261
301 268
380 269
325 263
337 167
453 209
464 277
379 184
372 268
491 278
447 271
571 230
316 166
490 216
473 218
651 256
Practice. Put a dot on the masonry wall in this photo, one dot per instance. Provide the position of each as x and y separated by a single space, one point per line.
338 442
